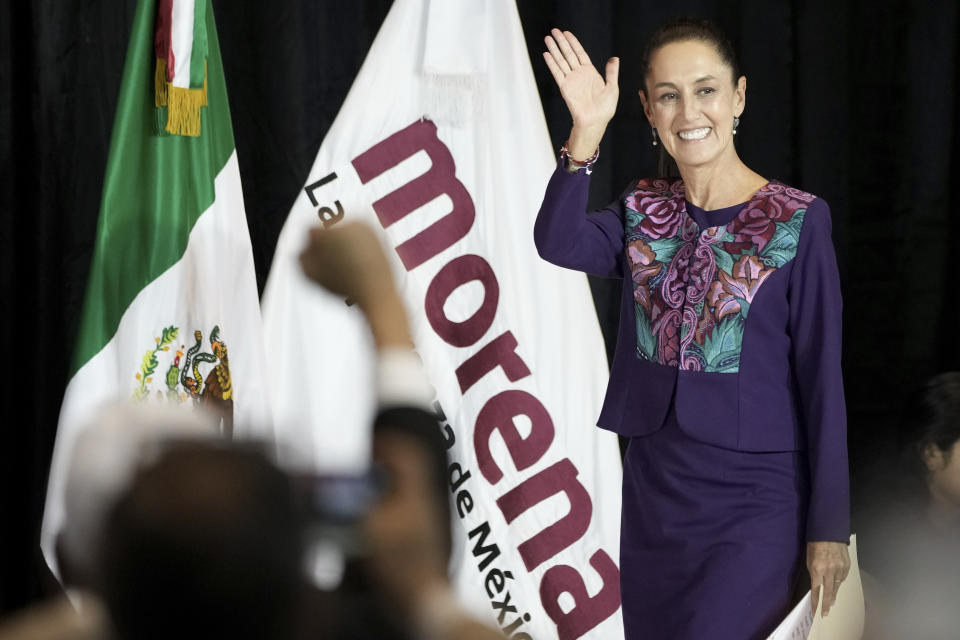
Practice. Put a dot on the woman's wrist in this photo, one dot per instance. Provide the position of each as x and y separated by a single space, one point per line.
584 141
573 165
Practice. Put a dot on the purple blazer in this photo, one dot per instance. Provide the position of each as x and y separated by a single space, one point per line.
733 315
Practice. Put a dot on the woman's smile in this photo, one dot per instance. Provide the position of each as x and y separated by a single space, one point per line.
694 135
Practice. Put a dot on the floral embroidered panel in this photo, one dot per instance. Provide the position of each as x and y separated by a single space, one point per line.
693 287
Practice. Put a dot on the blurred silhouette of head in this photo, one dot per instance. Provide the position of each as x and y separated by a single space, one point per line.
937 446
103 459
206 543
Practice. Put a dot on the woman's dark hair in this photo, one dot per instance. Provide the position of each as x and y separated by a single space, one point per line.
682 30
940 413
934 419
685 29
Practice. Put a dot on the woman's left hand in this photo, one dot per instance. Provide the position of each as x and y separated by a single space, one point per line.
828 564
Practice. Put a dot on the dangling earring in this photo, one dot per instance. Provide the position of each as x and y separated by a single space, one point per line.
653 130
736 123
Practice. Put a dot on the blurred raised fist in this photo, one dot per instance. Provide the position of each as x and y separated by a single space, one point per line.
348 260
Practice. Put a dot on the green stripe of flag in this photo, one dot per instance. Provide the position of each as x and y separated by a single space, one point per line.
155 187
199 52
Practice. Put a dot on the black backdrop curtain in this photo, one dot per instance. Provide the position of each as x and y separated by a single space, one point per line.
855 101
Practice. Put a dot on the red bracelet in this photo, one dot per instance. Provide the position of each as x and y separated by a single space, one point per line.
574 165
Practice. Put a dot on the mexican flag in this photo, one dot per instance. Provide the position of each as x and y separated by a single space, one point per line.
171 314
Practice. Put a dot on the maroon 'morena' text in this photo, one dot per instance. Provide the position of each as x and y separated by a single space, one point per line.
499 411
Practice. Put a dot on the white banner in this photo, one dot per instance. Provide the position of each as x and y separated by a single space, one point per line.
441 145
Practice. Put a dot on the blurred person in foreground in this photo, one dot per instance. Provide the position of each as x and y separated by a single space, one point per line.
209 542
208 539
406 535
912 552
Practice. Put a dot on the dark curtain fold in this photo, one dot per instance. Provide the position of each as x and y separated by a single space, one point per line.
855 101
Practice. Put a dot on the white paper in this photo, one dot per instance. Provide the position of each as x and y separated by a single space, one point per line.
845 620
797 624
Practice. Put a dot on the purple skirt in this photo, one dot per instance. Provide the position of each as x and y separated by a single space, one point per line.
711 541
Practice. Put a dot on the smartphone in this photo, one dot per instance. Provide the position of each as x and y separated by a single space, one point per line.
335 504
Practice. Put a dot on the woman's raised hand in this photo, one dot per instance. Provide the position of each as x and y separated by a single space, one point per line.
591 99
